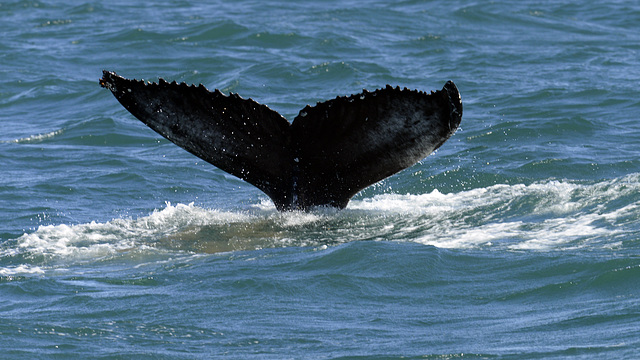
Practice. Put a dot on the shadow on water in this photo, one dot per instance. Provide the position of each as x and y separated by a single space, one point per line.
259 233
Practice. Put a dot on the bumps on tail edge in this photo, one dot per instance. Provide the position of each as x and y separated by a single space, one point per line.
327 154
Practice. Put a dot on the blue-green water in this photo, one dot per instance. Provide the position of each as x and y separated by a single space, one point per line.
519 238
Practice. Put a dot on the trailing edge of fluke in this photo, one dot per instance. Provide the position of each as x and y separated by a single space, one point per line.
324 157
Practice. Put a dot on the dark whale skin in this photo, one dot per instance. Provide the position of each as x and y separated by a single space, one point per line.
324 157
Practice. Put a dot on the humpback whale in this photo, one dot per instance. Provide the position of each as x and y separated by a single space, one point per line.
326 155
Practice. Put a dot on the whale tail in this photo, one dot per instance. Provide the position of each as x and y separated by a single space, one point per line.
327 154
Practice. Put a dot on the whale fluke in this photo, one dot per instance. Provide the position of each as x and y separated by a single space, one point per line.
327 154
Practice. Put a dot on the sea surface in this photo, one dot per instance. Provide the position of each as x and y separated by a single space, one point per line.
518 239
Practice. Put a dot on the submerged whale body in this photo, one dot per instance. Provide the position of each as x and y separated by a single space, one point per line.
325 156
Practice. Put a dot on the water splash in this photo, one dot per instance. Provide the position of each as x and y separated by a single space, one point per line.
553 215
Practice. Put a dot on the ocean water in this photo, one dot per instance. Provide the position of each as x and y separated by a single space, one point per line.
518 239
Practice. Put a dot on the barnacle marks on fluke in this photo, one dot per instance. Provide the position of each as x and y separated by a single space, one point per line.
325 156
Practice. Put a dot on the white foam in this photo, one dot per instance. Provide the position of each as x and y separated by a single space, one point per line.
22 269
95 240
540 216
551 215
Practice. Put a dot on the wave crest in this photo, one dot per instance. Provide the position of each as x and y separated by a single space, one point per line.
36 138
